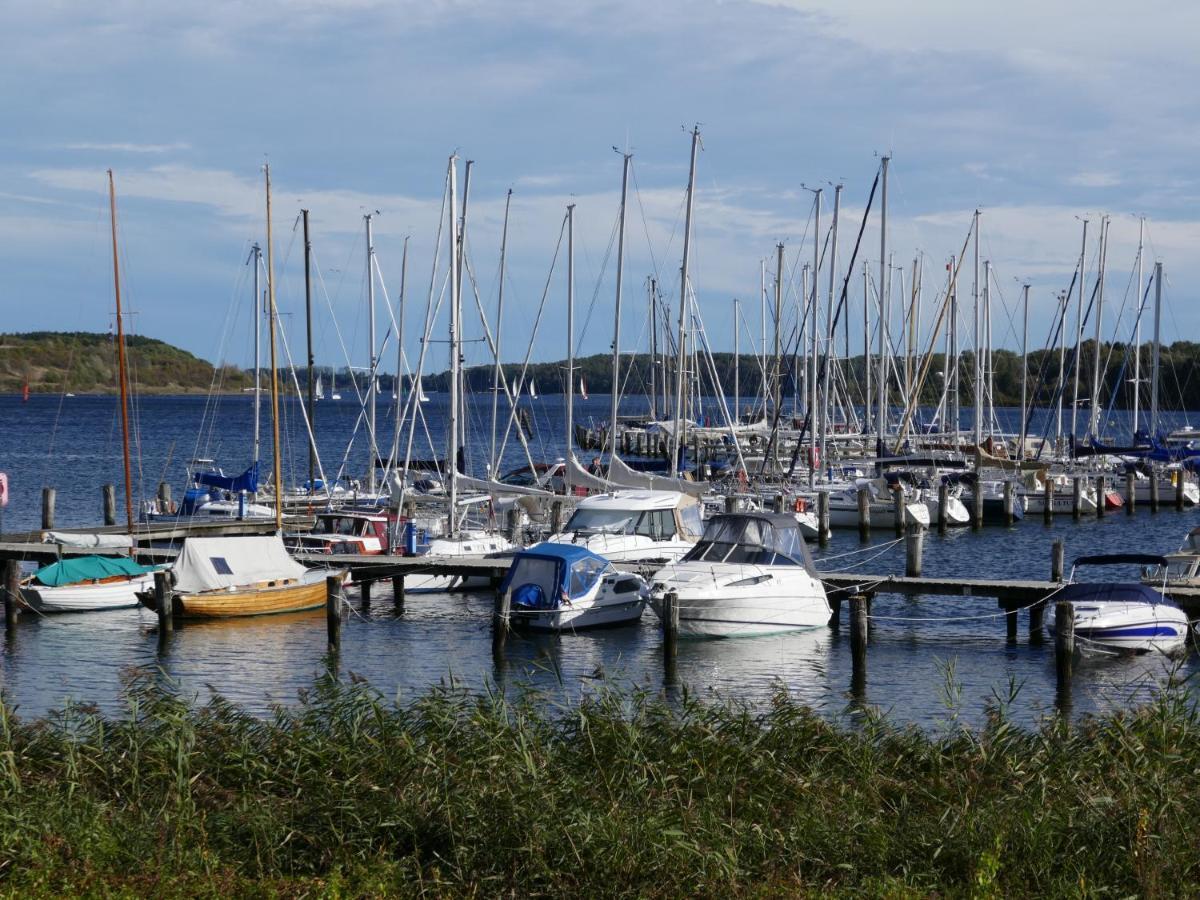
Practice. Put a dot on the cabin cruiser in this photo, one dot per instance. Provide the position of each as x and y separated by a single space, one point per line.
750 574
1178 569
566 587
1120 616
635 524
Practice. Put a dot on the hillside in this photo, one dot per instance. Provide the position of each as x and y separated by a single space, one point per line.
84 362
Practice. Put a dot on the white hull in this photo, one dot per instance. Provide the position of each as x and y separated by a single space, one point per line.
1132 626
1166 492
956 511
627 547
845 516
87 597
592 614
452 548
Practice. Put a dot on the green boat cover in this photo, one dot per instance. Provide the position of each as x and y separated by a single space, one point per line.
88 568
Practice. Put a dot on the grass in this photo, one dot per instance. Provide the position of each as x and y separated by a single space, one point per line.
456 794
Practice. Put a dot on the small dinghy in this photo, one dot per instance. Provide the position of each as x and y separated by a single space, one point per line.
87 584
565 587
1124 616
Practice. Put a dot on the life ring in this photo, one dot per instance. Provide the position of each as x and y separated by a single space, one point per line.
800 505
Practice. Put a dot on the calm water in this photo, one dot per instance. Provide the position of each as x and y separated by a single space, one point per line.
923 653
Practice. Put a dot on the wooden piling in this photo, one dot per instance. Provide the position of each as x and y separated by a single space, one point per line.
1037 615
977 503
1130 493
512 525
943 502
670 626
1179 482
12 593
108 500
48 496
1076 497
398 592
823 533
835 612
164 497
1010 500
730 503
864 514
556 511
333 612
364 594
898 510
164 602
1153 491
777 504
1101 490
914 545
859 631
1048 500
1010 624
1064 639
501 620
1058 553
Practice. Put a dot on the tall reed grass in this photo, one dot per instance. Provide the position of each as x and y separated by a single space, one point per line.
460 794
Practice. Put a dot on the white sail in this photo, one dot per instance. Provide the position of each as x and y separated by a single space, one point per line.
533 394
319 394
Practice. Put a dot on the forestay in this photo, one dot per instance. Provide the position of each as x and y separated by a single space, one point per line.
213 564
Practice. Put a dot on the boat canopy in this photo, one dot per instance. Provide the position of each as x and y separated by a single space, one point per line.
763 539
87 539
213 564
88 568
1121 559
247 481
546 574
1109 592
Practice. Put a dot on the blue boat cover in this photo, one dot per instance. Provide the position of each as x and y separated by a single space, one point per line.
1111 592
247 481
543 575
88 568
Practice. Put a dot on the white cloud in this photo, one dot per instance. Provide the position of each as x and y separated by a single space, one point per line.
127 147
1095 179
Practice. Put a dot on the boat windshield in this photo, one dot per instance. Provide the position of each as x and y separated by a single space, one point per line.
657 524
748 541
334 525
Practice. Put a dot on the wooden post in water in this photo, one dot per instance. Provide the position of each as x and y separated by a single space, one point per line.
164 497
398 592
556 511
777 503
1064 639
835 612
1048 500
12 592
1010 500
823 534
670 626
914 545
333 612
1076 497
501 619
1179 481
730 503
1130 492
864 514
48 495
977 503
164 603
1037 615
364 594
898 509
943 502
859 632
1101 490
512 525
1010 624
1058 552
1153 491
108 495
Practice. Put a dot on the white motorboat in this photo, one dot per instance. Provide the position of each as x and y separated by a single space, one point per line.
629 525
86 584
843 504
1178 569
565 587
750 574
1124 616
467 543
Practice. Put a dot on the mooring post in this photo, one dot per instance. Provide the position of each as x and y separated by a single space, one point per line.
1179 481
164 497
512 525
501 620
398 592
977 503
1076 497
164 603
1101 491
730 503
364 594
1048 500
864 514
556 510
1058 552
1037 615
777 504
48 495
943 502
835 612
1130 493
1010 624
859 632
333 612
914 545
1064 639
12 593
108 495
823 534
898 509
1153 490
1010 500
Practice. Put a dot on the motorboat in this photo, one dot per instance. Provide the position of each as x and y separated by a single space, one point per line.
566 587
1178 569
465 544
633 525
87 583
750 574
1121 616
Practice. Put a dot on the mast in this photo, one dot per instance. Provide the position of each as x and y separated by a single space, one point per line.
678 437
398 385
650 290
762 322
271 313
616 346
868 410
881 418
497 379
776 367
1137 328
463 273
736 362
1094 420
987 344
122 369
256 255
1078 332
955 367
837 207
569 416
977 387
308 330
1156 349
812 400
1063 301
455 359
1024 369
372 361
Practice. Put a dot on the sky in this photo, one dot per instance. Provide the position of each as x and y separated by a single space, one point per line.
1039 115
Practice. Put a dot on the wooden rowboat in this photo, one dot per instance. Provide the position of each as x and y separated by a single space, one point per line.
262 599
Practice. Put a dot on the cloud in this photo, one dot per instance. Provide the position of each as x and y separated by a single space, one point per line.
128 148
1095 180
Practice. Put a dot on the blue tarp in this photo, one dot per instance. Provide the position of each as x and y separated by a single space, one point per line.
88 568
541 576
247 481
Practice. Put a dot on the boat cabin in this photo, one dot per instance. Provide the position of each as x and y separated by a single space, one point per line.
548 575
371 528
658 515
751 538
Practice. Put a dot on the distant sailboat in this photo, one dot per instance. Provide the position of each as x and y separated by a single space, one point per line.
320 391
419 390
333 391
533 394
582 388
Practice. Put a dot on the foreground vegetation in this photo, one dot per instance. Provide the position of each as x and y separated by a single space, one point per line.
455 794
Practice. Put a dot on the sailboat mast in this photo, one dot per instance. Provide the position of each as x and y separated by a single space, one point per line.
651 287
256 256
737 356
271 313
677 432
308 331
1024 370
868 411
881 386
811 400
1156 350
1094 421
398 384
977 387
777 365
616 359
497 379
824 429
955 369
762 321
1078 331
455 363
569 417
1137 327
987 345
372 362
122 369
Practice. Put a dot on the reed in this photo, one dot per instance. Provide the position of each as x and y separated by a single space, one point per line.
621 794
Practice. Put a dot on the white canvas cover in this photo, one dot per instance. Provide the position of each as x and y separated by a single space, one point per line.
212 564
88 539
623 475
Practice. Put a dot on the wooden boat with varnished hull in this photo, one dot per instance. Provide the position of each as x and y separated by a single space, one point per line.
262 599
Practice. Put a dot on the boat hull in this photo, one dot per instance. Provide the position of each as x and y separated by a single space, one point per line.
1132 627
576 618
266 600
70 598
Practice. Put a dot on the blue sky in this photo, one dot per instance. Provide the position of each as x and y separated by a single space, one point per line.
1039 114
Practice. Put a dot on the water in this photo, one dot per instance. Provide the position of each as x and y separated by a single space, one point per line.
926 659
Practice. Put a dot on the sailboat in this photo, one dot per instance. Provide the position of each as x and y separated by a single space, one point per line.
582 388
533 394
333 391
320 391
248 575
90 583
419 390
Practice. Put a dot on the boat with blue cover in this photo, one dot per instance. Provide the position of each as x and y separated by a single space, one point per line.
86 584
566 587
